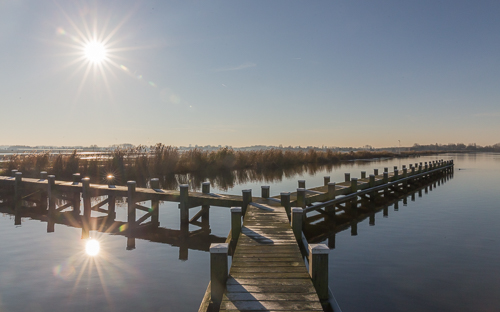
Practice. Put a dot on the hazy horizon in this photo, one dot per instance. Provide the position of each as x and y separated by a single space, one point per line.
250 73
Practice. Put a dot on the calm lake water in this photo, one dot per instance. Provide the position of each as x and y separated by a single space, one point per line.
437 253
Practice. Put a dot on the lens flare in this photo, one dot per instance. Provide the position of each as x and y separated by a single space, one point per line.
92 247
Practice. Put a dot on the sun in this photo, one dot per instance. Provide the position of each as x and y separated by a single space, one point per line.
95 52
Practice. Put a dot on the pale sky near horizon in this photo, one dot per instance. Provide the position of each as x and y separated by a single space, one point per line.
240 73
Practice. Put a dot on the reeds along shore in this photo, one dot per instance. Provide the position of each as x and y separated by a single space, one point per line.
160 161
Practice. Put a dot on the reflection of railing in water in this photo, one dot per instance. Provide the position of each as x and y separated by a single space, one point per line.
321 227
67 212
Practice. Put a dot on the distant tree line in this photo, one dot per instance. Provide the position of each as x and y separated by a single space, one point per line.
459 147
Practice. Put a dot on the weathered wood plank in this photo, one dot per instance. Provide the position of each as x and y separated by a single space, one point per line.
270 305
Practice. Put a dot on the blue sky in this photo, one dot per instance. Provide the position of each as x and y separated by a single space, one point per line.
334 73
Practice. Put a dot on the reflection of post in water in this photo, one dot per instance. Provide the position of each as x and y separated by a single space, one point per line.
331 239
50 223
183 241
184 214
76 195
43 194
51 193
155 204
354 215
130 242
371 209
86 208
18 190
131 215
183 205
205 217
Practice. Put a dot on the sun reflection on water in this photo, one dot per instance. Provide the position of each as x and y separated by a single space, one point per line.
92 247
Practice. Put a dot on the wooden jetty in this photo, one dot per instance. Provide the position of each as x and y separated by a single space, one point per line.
268 271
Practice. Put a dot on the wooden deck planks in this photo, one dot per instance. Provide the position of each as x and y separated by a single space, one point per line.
268 272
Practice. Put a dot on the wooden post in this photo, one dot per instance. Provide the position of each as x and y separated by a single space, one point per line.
183 205
412 170
205 217
395 168
420 169
51 194
302 184
326 180
76 178
235 223
247 199
218 273
354 188
301 197
86 207
396 173
13 172
111 199
76 194
347 177
265 191
205 187
375 172
86 197
331 195
131 216
297 223
354 185
331 190
363 174
386 169
405 171
285 202
18 191
155 203
318 269
111 180
386 180
43 194
372 184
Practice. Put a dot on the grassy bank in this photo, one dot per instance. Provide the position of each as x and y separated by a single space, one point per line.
160 161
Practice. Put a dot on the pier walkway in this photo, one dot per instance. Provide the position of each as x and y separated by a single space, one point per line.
268 271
